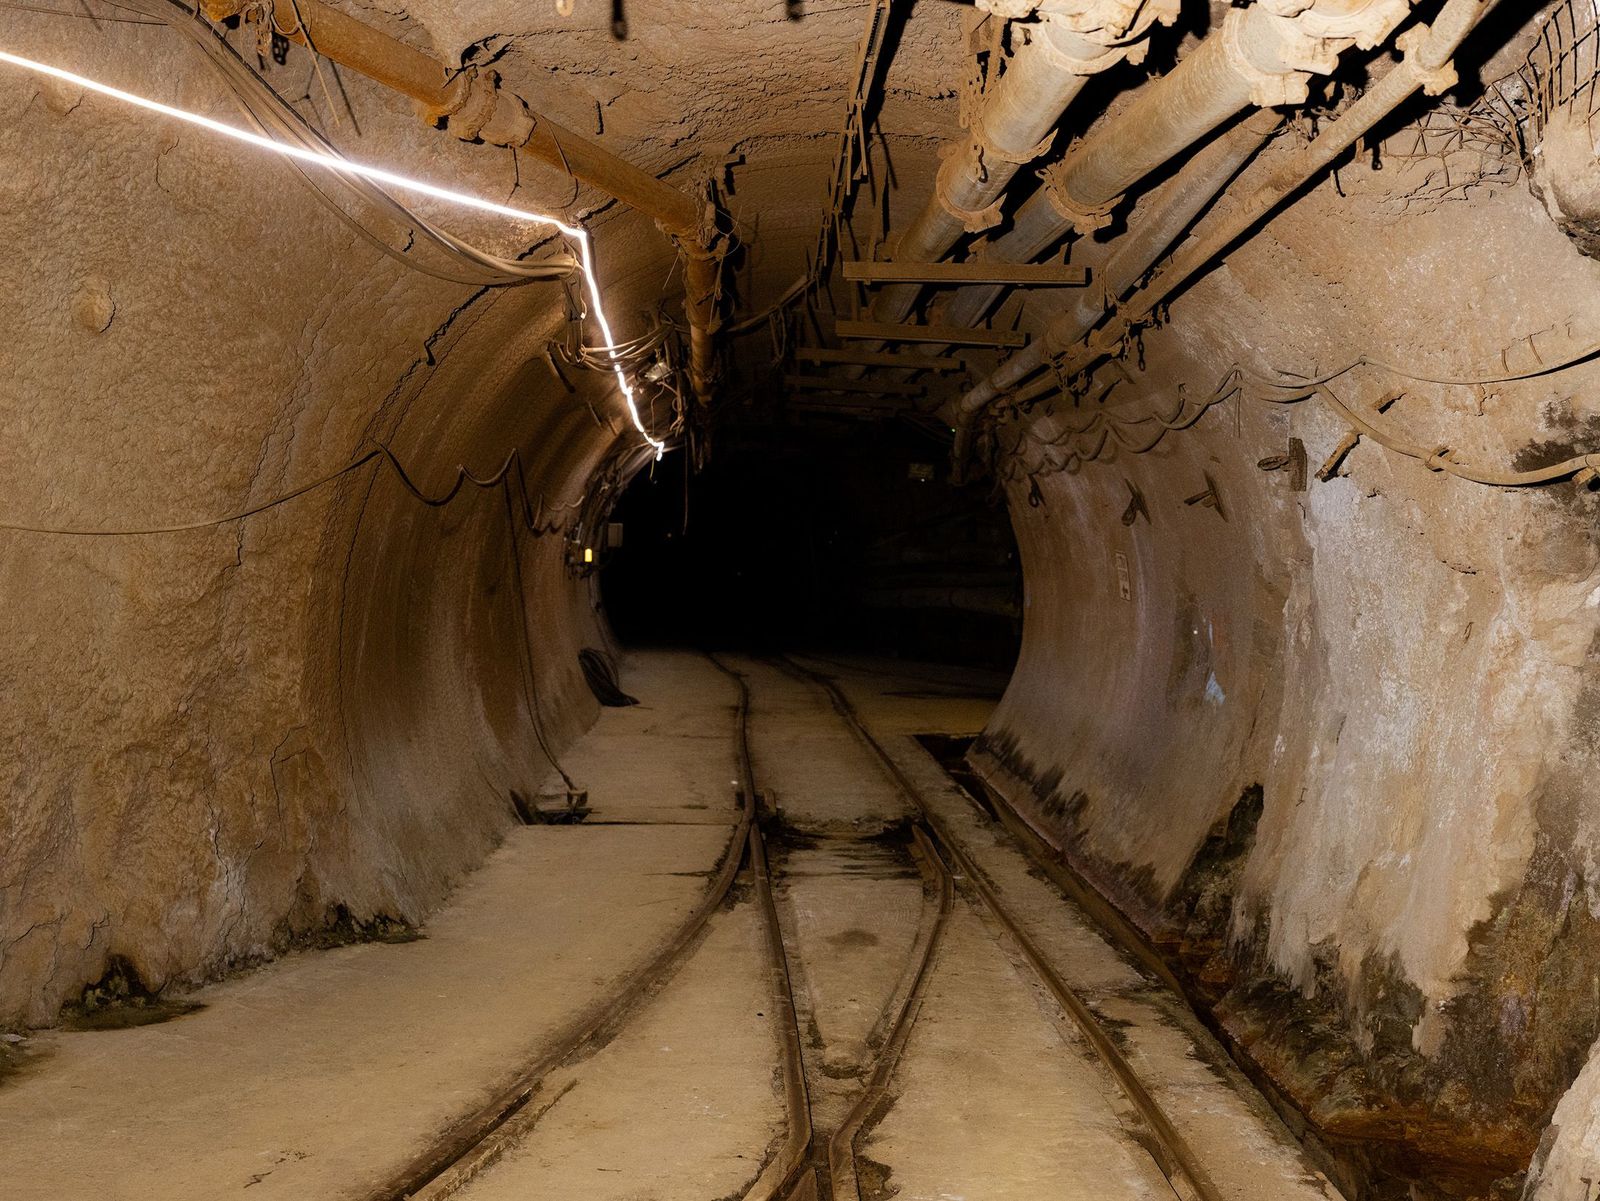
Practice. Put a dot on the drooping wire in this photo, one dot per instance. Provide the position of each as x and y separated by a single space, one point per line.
576 235
271 115
533 511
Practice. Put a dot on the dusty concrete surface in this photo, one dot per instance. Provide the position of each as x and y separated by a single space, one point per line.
814 771
320 1075
682 1104
852 910
993 1102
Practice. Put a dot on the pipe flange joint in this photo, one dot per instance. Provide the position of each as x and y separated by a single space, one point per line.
1084 220
1108 22
974 221
1436 80
459 94
483 95
1073 64
1367 27
1268 89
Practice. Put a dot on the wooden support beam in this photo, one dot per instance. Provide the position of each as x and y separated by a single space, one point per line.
835 383
1049 275
910 361
952 335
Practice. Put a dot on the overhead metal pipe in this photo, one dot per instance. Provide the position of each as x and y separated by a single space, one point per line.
1263 55
1426 66
473 105
1166 217
1035 227
1052 59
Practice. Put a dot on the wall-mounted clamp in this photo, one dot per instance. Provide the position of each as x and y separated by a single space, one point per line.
1210 498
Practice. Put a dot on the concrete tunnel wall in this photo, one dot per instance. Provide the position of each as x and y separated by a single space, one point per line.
1386 680
218 739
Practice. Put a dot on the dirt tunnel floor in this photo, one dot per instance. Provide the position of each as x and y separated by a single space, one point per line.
326 1074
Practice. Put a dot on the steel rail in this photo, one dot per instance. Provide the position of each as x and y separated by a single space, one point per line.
780 1172
842 1145
1170 1150
478 1139
895 1023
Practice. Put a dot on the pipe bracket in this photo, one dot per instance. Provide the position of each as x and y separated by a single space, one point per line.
1268 89
1436 81
1084 220
1367 27
974 221
987 149
1108 22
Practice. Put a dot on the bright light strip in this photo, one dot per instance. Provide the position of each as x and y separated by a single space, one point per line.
345 166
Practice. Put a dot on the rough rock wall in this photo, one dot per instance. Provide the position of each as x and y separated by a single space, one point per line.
1386 680
215 740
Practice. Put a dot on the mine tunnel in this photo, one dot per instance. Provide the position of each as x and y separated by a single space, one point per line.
829 600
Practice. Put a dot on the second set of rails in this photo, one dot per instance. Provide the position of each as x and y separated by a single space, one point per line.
808 1163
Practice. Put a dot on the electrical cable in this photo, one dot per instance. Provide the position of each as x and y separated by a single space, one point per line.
1104 427
273 116
333 162
1288 382
83 15
532 511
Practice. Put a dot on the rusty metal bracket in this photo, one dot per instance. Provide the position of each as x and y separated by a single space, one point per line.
1294 461
1210 498
1136 506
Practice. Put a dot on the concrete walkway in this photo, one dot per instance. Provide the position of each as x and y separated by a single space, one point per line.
319 1075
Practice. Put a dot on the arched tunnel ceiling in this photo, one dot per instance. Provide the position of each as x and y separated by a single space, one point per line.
745 97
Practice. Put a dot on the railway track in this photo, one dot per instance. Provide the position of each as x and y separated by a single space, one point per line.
479 1139
1179 1163
794 1173
810 1163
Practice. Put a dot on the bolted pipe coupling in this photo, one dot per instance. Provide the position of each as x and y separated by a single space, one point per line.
1274 58
1109 22
1436 79
1365 24
1120 26
1085 220
1276 46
